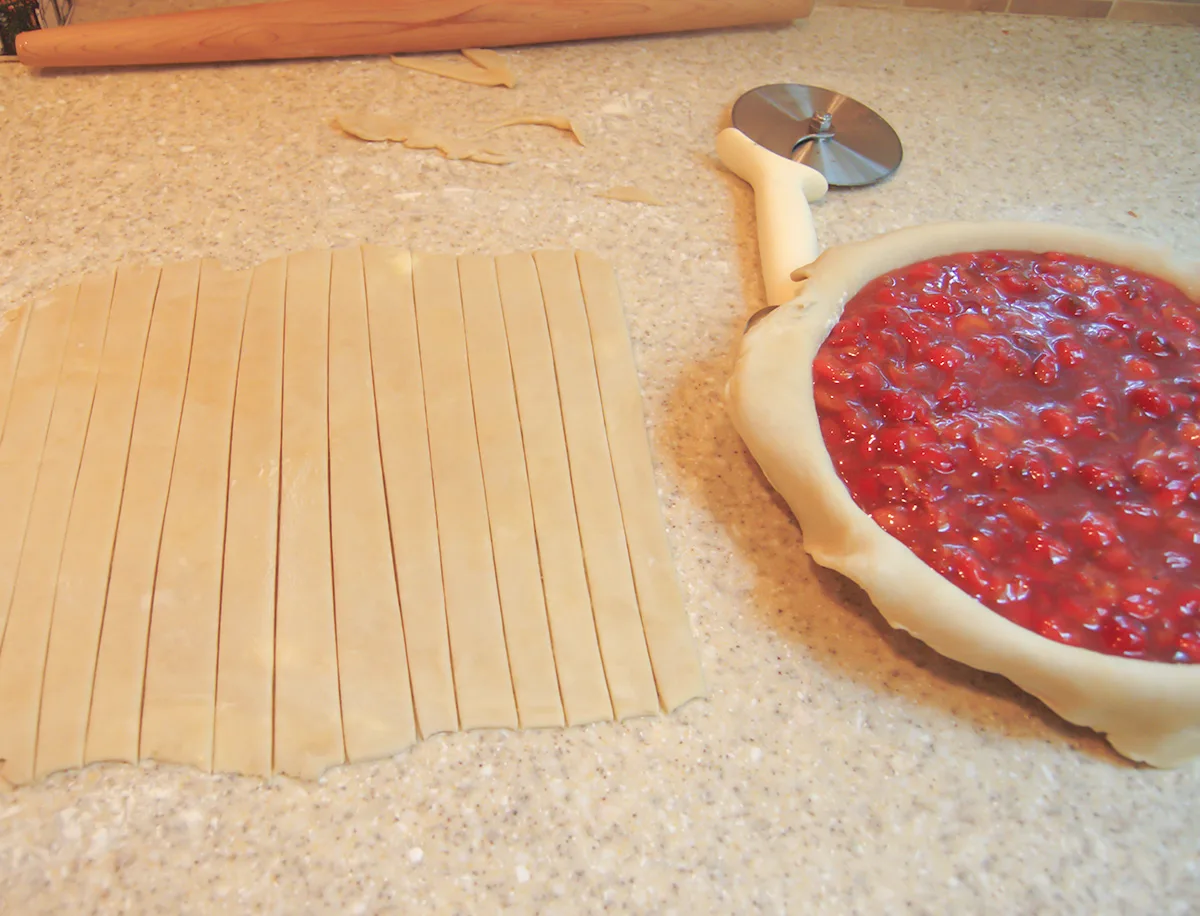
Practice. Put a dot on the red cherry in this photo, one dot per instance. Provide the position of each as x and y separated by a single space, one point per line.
1153 343
897 406
1059 631
1045 369
918 339
1101 478
1151 401
1136 367
855 423
1074 307
967 571
919 274
1175 493
1120 322
845 332
895 520
892 443
1123 636
1013 361
868 379
970 325
1138 519
947 356
1098 531
829 369
1183 323
1118 558
1139 605
1029 469
1060 423
1150 475
1094 399
938 304
1058 459
1069 353
954 399
1024 514
933 458
1047 549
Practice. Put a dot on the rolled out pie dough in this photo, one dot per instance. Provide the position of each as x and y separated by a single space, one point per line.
273 520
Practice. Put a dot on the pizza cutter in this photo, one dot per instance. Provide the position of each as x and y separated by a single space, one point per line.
791 143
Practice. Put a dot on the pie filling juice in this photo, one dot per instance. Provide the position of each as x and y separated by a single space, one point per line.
1029 426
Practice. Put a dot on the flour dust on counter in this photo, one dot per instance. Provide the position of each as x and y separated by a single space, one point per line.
279 519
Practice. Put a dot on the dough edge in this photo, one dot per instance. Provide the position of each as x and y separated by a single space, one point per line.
1149 711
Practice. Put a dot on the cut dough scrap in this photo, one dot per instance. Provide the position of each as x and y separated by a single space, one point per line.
631 195
601 529
556 121
179 702
23 655
1149 711
510 513
668 636
377 710
492 61
482 680
114 720
404 447
568 605
481 68
374 128
87 549
308 719
246 660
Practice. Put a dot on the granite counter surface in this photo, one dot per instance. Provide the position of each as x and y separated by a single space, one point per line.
836 766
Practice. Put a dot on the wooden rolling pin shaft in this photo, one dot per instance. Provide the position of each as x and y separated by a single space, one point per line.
336 28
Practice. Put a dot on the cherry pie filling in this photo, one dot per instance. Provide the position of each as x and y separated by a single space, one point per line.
1029 426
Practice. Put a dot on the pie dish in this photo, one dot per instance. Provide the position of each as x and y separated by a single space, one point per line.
1149 710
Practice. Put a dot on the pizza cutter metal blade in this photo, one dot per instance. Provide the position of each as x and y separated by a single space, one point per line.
792 143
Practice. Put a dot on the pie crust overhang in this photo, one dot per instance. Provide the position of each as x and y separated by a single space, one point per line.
1149 711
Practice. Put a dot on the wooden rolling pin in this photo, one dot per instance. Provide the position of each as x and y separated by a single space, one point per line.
336 28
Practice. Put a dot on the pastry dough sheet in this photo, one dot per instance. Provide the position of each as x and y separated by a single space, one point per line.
280 519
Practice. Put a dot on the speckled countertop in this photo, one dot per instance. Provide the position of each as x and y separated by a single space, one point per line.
836 766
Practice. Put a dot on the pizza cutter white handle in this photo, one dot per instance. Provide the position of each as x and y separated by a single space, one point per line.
782 191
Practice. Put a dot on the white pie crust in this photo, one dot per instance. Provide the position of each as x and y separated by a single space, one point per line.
1150 711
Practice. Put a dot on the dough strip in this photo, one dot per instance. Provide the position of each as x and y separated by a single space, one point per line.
23 652
510 512
664 619
13 328
568 604
377 710
87 549
31 401
408 484
606 555
244 714
308 718
114 720
179 696
482 681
